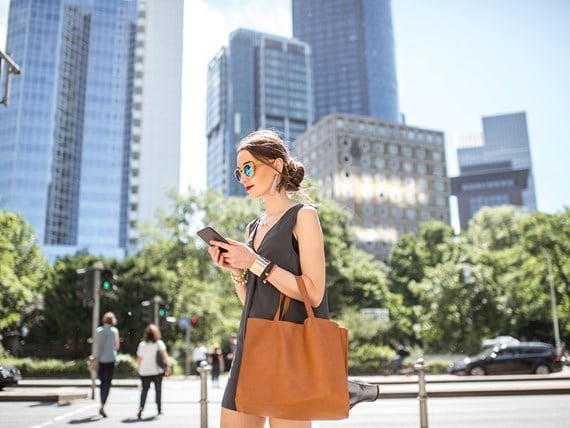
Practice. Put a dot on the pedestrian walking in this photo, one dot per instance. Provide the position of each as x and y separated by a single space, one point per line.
106 346
150 351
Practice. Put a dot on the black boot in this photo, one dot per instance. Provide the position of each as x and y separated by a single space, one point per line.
361 391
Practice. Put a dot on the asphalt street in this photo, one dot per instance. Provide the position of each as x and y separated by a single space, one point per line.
528 398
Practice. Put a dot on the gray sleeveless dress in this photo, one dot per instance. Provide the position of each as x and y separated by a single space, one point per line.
279 246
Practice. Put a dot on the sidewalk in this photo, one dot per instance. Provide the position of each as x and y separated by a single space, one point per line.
67 390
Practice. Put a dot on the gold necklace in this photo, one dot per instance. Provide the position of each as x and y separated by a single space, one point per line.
266 221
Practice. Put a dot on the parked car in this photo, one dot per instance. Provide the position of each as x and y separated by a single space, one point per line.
9 376
499 340
523 357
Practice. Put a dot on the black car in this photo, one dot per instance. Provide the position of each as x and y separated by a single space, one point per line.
523 357
9 376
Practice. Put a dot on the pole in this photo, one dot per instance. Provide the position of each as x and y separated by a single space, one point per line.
97 267
422 396
553 305
469 281
204 369
157 301
187 347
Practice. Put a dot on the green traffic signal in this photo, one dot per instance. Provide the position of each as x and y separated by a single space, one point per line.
106 280
161 312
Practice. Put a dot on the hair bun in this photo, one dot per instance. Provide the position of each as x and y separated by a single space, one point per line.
296 175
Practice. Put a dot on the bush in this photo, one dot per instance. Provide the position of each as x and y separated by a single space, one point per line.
369 359
52 368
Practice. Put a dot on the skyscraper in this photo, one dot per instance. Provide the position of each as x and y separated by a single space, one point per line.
157 101
258 81
69 160
353 59
496 167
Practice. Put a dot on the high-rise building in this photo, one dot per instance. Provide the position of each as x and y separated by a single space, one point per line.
354 65
495 167
156 124
390 176
258 81
72 138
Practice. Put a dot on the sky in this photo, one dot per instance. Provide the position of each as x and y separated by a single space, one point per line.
457 61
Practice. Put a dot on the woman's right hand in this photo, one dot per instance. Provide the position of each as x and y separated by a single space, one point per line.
218 258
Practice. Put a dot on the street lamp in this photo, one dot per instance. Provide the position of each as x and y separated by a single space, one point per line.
553 304
11 68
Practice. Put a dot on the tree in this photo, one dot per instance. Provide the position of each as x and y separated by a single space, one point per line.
24 272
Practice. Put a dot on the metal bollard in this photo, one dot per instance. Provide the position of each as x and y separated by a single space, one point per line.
204 369
422 397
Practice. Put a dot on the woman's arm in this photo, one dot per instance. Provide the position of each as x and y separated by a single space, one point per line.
117 341
312 254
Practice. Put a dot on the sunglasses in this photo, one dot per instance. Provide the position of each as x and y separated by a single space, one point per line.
248 170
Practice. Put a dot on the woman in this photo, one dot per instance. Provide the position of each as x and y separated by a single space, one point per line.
149 370
106 347
285 241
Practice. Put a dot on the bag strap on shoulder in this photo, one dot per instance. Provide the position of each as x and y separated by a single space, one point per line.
285 301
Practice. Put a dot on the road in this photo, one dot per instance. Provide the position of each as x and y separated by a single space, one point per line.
181 406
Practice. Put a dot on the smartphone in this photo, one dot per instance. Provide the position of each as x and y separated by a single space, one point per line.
209 234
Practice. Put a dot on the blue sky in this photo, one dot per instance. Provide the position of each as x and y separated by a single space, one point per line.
457 61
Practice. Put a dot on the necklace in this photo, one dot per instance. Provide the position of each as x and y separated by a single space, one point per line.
268 220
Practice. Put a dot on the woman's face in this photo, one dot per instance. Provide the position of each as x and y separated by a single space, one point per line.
255 175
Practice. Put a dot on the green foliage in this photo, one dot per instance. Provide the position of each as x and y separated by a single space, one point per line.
24 272
54 368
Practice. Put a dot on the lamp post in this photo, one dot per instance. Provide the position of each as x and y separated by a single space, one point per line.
11 68
469 281
553 304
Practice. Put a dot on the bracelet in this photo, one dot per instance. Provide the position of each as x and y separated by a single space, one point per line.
240 279
267 271
259 265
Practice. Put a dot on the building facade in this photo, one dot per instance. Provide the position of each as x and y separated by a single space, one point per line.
354 65
154 164
257 81
65 140
495 167
390 176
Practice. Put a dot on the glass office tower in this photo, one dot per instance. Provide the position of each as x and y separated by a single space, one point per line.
354 66
257 81
65 137
496 168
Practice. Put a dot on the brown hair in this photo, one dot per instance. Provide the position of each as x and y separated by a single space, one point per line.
152 333
266 145
109 318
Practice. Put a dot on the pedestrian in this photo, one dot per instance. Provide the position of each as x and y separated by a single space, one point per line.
231 351
284 241
216 360
401 354
106 347
148 368
199 354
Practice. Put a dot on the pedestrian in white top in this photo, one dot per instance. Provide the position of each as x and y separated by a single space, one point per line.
149 370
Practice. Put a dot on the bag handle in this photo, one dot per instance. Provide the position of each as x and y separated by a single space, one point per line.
284 301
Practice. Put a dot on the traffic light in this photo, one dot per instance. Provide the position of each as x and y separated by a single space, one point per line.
147 312
107 280
162 310
163 314
194 321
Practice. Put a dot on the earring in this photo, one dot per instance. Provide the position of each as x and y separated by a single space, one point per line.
274 185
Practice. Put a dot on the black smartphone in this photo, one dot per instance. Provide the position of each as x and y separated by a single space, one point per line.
210 234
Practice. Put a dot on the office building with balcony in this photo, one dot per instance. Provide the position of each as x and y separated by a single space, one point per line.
391 177
495 167
353 56
257 81
67 160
